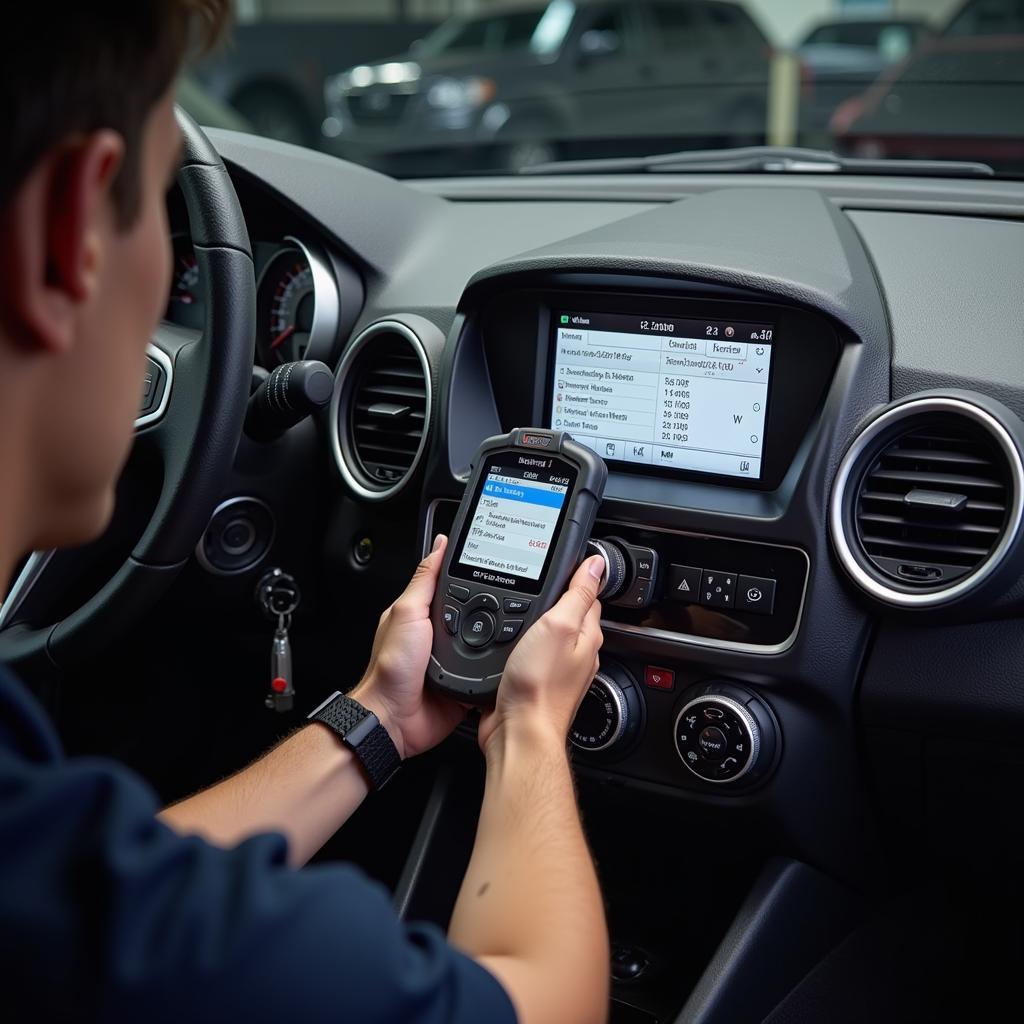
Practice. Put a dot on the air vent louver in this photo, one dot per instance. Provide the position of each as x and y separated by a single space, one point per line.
929 499
933 504
388 411
382 409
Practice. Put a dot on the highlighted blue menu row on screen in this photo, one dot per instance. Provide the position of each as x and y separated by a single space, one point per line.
531 495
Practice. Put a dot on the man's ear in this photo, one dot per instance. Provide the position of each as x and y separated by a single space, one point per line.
56 231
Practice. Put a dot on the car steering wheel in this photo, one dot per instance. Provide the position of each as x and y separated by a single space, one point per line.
194 432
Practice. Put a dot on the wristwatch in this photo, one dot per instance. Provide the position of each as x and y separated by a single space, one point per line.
360 730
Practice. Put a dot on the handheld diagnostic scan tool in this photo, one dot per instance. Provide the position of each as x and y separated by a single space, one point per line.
520 532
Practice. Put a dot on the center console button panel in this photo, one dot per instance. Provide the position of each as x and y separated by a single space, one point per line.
755 594
762 615
736 594
718 589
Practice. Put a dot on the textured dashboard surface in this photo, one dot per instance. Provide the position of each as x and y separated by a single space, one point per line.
954 290
792 244
949 675
419 250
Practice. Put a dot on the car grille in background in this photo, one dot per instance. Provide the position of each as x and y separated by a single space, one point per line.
377 106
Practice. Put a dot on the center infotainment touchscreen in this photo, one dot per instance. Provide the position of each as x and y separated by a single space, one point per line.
685 394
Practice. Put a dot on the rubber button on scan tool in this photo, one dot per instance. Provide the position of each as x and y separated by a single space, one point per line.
516 604
509 630
478 629
450 614
459 592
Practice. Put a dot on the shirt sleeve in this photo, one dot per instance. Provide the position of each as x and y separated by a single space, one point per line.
105 913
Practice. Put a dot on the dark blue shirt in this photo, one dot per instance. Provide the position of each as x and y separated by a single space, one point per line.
105 913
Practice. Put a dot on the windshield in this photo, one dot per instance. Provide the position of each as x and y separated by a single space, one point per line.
418 88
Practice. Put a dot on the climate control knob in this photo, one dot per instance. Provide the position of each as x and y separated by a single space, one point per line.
616 569
610 714
725 734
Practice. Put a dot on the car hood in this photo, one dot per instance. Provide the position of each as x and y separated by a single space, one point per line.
483 65
829 57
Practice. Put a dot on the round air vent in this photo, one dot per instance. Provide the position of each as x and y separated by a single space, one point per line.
927 502
381 409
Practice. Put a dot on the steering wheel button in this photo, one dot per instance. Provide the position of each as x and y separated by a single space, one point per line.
478 628
509 630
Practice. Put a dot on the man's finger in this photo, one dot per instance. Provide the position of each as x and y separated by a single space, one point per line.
420 590
583 589
590 632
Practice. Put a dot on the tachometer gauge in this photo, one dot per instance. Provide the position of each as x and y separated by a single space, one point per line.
186 305
297 307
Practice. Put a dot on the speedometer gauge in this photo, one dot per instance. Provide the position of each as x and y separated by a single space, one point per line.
297 307
186 305
291 307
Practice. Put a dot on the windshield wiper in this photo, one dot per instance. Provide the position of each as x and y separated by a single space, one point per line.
769 159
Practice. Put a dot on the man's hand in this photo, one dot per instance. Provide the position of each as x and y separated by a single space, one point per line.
530 906
392 688
549 671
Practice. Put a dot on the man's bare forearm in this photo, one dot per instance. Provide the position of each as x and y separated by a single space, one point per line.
306 788
530 907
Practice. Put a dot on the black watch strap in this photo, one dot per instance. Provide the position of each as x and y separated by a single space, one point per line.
360 730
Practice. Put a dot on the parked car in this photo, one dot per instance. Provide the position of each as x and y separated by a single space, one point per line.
959 96
273 71
841 58
519 88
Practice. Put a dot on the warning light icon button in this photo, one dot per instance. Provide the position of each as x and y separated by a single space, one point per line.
683 583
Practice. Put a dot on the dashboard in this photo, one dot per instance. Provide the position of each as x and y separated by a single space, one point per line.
297 305
809 393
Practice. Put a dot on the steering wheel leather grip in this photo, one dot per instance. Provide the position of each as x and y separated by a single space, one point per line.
196 438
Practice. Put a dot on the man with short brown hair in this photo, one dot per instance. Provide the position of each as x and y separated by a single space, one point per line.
109 908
